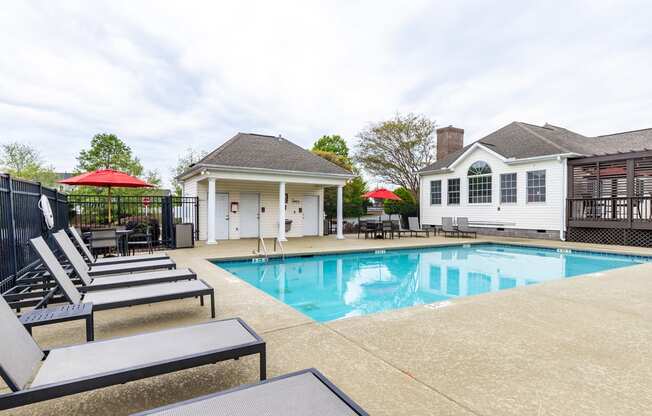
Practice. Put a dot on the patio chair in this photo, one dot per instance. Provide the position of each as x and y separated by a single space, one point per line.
93 365
463 227
415 229
91 260
388 229
448 228
303 393
121 297
363 227
140 240
105 241
114 281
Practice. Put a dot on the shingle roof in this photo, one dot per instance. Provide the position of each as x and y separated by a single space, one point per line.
519 140
248 150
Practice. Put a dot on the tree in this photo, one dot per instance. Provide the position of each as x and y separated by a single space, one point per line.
183 163
24 161
353 203
406 207
333 144
394 150
109 152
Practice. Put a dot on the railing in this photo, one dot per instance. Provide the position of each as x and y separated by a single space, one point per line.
159 212
20 220
614 212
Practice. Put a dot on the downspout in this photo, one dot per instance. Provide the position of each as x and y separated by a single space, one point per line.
562 229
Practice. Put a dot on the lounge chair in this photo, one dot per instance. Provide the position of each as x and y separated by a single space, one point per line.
113 281
91 260
303 393
78 368
448 228
121 297
463 227
415 229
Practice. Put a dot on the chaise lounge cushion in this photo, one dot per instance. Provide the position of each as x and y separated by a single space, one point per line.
95 358
110 296
299 395
117 279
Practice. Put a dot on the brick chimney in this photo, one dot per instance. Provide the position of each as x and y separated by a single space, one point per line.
449 139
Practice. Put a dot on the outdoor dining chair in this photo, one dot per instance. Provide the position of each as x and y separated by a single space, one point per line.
92 260
104 241
35 375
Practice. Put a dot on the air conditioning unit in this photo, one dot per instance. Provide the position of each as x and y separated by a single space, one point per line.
184 236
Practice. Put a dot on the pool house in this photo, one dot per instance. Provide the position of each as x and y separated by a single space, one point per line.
262 186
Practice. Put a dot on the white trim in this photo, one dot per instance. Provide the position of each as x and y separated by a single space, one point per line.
472 148
225 168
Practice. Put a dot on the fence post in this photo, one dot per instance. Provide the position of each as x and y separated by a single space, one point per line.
14 249
197 218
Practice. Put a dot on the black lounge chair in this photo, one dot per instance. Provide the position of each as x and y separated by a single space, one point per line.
121 297
303 393
463 227
91 260
112 281
413 223
93 365
448 228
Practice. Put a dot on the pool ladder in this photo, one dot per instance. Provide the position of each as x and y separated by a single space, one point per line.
264 254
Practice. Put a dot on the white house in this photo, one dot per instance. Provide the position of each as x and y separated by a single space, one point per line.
515 181
250 185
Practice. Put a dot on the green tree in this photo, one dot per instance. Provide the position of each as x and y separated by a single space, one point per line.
394 150
333 144
354 204
183 162
406 207
107 151
25 162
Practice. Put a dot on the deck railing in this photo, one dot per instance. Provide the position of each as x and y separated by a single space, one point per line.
612 212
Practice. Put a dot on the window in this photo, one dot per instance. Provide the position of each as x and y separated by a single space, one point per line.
536 186
508 188
435 192
454 191
479 183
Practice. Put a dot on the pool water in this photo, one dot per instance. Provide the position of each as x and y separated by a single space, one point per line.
334 286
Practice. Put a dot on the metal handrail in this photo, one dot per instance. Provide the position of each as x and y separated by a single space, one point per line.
261 241
280 244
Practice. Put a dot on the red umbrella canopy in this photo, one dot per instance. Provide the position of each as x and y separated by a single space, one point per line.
382 193
106 177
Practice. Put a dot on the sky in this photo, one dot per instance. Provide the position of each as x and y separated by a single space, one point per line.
168 76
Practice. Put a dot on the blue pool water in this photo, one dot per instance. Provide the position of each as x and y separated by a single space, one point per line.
334 286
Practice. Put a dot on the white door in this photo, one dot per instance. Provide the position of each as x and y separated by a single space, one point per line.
310 215
221 216
249 218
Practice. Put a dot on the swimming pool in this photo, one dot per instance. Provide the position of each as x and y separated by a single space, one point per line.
334 286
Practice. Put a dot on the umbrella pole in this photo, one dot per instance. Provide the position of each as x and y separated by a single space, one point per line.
109 205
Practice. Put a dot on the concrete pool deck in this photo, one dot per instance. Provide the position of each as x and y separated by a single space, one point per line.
566 347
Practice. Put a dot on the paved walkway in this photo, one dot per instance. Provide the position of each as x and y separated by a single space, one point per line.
570 347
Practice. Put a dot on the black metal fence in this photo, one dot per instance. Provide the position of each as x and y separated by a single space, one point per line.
20 220
159 213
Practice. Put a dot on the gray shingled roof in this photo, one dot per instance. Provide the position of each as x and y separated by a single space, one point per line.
522 140
248 150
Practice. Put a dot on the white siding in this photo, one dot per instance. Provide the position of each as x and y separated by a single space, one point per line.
268 199
521 215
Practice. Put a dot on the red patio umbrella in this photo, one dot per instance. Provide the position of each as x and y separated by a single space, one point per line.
107 178
382 193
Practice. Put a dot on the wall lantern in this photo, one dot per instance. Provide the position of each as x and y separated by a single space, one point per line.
234 207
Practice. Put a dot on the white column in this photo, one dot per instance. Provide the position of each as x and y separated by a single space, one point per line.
340 231
281 212
210 220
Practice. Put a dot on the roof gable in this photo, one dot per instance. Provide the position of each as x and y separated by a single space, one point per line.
257 151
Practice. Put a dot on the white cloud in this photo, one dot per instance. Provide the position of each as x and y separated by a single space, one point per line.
168 75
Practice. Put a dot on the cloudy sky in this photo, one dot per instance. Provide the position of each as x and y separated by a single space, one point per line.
165 76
